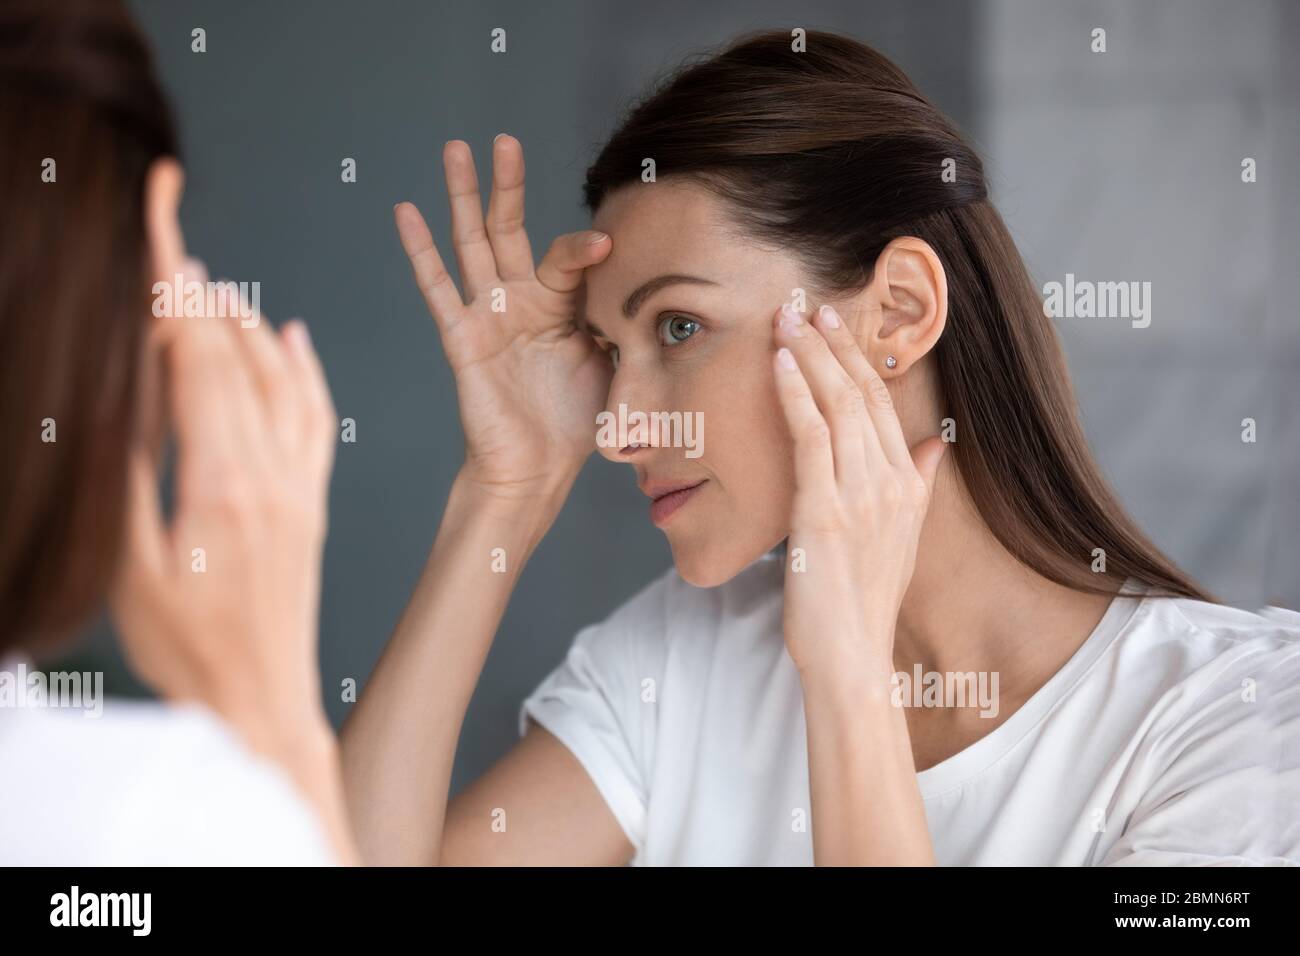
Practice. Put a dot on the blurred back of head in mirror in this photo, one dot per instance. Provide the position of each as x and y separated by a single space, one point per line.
82 118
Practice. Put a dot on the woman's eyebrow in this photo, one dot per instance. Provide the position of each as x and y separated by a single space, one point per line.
633 303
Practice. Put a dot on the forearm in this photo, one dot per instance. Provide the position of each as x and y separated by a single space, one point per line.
400 741
866 805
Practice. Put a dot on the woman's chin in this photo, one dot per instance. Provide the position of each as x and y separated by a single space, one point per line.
710 567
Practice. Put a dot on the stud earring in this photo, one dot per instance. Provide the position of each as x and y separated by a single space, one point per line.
891 362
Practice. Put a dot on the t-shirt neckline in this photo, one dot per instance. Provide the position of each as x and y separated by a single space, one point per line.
954 771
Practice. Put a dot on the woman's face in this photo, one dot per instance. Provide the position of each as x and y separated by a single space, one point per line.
687 306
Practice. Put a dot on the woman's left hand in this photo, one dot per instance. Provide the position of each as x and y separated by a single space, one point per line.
860 499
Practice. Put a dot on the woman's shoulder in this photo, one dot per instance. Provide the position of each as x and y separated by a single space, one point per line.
146 783
1221 626
1218 747
1212 652
118 734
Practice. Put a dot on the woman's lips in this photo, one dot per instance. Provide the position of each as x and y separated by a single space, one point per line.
665 506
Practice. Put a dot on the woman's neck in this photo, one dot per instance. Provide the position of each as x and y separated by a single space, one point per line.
972 606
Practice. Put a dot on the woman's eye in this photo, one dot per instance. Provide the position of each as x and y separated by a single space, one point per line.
612 351
676 329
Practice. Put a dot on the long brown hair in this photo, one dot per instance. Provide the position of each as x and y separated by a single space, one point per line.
834 149
77 87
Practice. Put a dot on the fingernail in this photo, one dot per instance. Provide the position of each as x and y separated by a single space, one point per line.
497 137
830 317
785 357
596 237
296 334
791 321
195 269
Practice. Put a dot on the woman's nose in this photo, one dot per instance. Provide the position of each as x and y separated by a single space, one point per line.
621 429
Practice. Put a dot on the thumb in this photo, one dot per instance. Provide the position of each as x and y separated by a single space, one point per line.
926 456
561 268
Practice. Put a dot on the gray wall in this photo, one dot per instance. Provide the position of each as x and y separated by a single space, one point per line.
1126 165
1113 169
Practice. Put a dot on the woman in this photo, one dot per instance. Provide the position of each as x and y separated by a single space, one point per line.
216 610
812 263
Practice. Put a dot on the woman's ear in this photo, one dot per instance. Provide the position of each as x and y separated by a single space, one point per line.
163 186
906 305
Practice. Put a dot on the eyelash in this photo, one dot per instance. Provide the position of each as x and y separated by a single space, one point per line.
665 321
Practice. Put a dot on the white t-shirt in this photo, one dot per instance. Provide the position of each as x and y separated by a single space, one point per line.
1172 736
143 784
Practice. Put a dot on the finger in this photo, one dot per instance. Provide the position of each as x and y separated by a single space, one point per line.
210 410
814 466
927 456
505 218
431 276
469 239
255 430
880 406
319 420
836 394
195 269
264 358
174 324
224 316
561 268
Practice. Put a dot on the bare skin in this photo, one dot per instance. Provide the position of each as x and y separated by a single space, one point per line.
907 563
254 427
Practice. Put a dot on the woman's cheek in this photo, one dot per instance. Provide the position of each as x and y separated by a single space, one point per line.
757 447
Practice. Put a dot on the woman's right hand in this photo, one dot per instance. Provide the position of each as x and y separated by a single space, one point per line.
233 626
530 381
220 606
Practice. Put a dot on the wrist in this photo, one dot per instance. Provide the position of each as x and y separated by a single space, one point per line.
533 509
311 752
274 721
864 678
307 751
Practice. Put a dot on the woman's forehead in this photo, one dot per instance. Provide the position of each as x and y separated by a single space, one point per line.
671 207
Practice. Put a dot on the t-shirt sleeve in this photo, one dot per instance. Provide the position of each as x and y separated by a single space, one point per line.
1228 791
599 703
